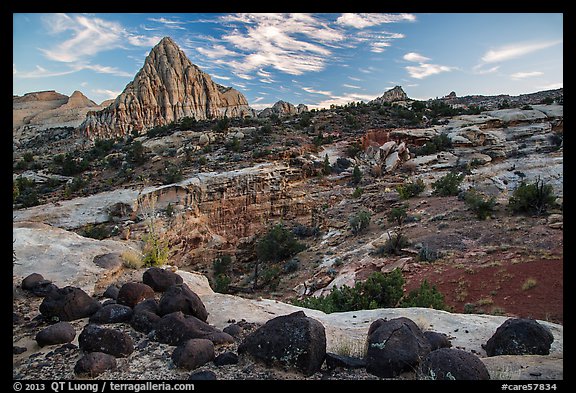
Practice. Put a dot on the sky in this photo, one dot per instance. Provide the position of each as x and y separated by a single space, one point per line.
313 59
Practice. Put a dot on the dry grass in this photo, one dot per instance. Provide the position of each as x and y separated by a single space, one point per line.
132 259
529 283
346 346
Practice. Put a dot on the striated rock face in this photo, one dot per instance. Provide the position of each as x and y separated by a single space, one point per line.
392 95
167 88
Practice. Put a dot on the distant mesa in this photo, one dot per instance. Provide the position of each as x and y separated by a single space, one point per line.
392 95
49 109
283 108
167 88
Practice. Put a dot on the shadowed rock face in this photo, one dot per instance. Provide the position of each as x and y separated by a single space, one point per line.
167 88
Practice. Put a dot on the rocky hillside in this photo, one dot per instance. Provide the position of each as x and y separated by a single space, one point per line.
341 183
167 88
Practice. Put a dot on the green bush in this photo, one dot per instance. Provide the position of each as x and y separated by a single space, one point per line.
359 222
378 291
394 245
270 277
427 254
356 175
411 189
397 215
291 266
425 296
481 206
277 245
221 264
358 191
156 251
533 198
221 283
448 185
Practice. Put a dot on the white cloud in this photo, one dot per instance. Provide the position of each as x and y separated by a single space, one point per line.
378 47
216 52
351 86
214 76
321 92
552 86
524 75
39 72
106 94
144 41
361 21
415 57
516 50
169 23
478 70
423 69
101 69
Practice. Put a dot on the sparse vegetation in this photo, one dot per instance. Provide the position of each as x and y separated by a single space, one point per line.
359 222
156 250
529 284
378 291
411 189
535 198
448 185
132 259
425 296
480 205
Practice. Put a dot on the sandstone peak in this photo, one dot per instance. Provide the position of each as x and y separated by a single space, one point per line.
78 100
392 95
168 87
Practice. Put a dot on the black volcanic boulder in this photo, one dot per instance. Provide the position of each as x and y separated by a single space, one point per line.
144 321
150 305
161 279
95 363
176 328
294 341
111 292
99 339
334 360
43 288
181 298
112 313
31 280
394 346
517 336
450 363
68 304
226 358
132 293
59 333
204 375
193 353
437 340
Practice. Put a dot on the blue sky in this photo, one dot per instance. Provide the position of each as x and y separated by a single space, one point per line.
314 59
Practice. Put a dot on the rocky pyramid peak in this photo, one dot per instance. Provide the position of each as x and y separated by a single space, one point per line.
168 87
78 100
392 95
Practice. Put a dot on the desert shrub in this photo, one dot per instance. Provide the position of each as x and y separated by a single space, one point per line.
221 264
359 222
278 244
427 254
411 189
425 296
394 245
24 192
291 266
482 206
222 283
534 198
380 290
135 153
356 175
397 215
96 231
437 143
448 185
358 191
171 174
270 277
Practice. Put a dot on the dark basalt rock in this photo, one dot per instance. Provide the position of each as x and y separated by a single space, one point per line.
68 304
193 353
520 337
394 346
450 363
176 328
132 293
95 363
161 279
334 361
294 341
98 339
59 333
181 298
437 340
112 313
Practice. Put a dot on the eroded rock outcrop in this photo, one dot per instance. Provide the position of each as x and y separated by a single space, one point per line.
392 95
167 88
